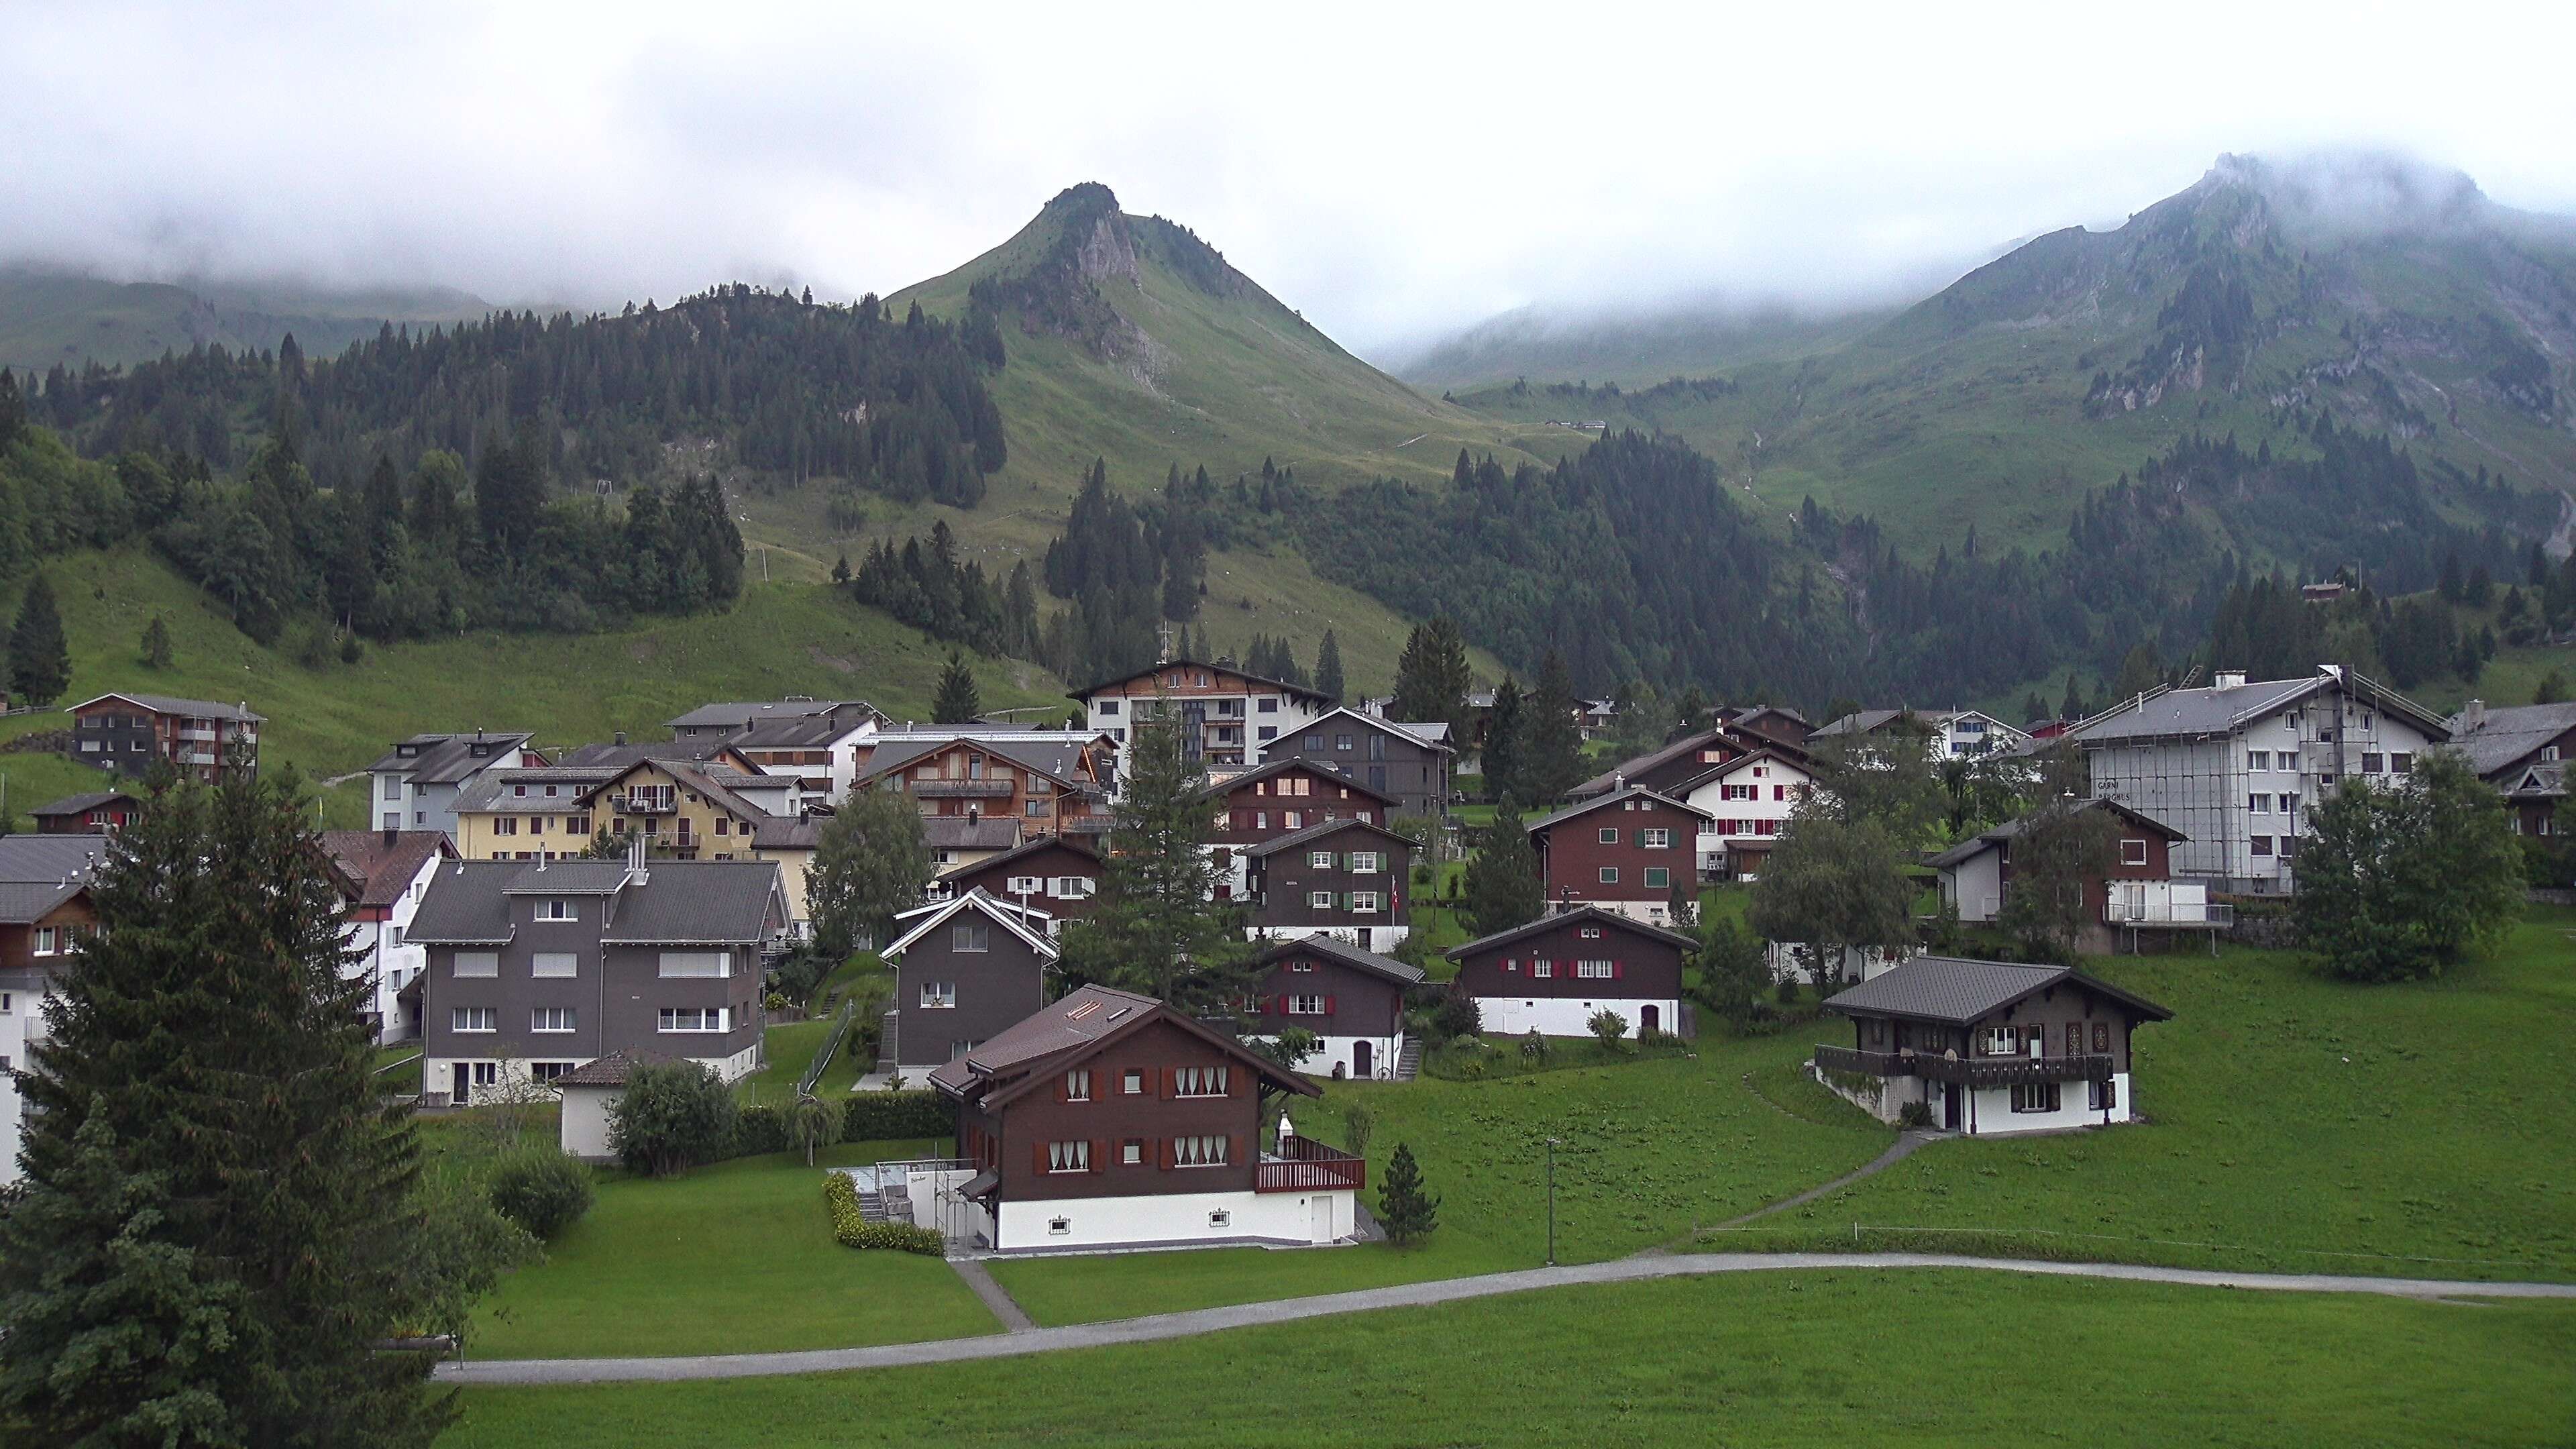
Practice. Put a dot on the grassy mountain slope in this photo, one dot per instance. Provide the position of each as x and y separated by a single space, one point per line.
2392 300
782 638
53 317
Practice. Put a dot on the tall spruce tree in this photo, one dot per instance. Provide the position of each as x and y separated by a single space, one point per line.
1328 668
1502 883
211 1183
1404 1208
1506 735
156 643
1551 756
1156 928
957 701
40 659
1431 678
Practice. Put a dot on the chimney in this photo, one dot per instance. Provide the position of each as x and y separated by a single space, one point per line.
2472 715
620 737
2228 679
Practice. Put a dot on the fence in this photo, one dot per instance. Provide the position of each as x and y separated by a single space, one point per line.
2055 1236
831 1045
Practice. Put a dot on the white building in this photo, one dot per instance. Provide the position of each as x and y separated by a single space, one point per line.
1227 714
1956 734
415 786
1748 800
388 871
44 906
2234 766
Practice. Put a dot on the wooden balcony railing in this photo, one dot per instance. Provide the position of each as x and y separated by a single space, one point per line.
1306 1165
644 804
1967 1071
947 789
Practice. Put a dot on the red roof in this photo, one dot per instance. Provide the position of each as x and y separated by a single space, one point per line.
384 863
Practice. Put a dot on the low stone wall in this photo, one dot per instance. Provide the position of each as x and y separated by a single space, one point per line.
2279 932
2550 896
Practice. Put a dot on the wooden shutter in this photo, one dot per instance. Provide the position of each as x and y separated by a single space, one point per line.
1171 1083
1100 1154
1163 1153
1329 1007
1233 1148
1062 1092
1233 1081
1040 1149
1617 969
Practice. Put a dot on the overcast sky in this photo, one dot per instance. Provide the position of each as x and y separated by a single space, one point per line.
1394 174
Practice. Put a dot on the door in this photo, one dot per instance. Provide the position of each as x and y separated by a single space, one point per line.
1649 1019
1377 777
1362 1057
464 1084
1322 1230
1950 1106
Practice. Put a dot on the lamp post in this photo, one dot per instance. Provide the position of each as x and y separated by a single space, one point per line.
1551 1202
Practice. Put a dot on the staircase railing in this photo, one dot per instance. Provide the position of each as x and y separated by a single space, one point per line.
831 1044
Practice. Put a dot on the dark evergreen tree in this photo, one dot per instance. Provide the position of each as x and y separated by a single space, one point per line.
1405 1210
1328 668
156 643
1431 677
1551 749
1506 743
1502 884
40 657
957 702
1158 927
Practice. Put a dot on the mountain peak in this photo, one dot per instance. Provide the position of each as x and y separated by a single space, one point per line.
2344 195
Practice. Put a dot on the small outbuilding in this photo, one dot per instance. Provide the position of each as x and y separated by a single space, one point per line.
590 1092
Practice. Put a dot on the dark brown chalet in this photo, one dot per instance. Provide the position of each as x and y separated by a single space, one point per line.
131 734
44 898
1626 851
1352 1000
1408 761
1286 796
1108 1119
965 971
1055 786
99 812
1057 874
1342 876
1552 975
1671 768
1988 1046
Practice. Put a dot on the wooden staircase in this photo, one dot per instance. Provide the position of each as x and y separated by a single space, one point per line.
1408 1061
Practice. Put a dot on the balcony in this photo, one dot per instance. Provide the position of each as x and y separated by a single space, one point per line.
1087 824
1303 1164
951 789
1967 1071
2184 914
644 804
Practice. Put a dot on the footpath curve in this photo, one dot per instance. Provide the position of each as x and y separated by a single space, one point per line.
1414 1295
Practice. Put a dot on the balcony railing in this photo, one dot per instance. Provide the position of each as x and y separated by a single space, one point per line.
644 804
1967 1071
938 789
1087 824
1303 1164
2168 913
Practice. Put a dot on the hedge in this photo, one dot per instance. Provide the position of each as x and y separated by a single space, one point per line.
890 1116
841 1195
759 1130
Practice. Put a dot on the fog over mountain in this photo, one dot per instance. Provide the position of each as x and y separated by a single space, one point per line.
1396 180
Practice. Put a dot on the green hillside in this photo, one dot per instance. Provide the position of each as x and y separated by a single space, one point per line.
783 638
2244 305
57 318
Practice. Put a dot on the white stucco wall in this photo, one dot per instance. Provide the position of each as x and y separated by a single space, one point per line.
1381 939
1565 1016
585 1121
23 1023
1176 1218
1333 1056
1990 1113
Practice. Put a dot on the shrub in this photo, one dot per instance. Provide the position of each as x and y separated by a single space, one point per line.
758 1130
542 1191
1357 1122
672 1116
1534 1048
1607 1025
1914 1114
853 1229
1456 1015
1406 1211
877 1116
810 1123
1786 993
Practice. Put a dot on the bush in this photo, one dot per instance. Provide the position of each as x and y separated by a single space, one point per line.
879 1116
542 1191
759 1130
1534 1048
1609 1026
672 1116
1456 1015
853 1229
1914 1114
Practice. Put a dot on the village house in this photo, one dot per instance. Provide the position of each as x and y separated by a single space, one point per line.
1410 762
728 721
1352 999
1228 716
1987 1047
1552 975
96 812
1057 876
1627 851
1343 878
534 969
1748 800
416 784
44 908
961 842
2137 896
966 970
130 734
1954 734
1672 768
1110 1120
1056 783
2233 766
1772 723
389 872
2522 751
1281 798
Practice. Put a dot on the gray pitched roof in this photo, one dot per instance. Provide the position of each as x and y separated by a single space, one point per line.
1025 848
613 1069
959 832
1859 722
1058 757
45 859
1415 732
444 759
172 704
699 902
1318 831
1011 917
1349 955
1614 797
2503 737
740 714
1079 1018
788 734
1240 778
82 803
2545 782
781 832
618 757
1281 685
491 789
464 904
2194 713
1593 915
567 878
1958 991
383 869
26 902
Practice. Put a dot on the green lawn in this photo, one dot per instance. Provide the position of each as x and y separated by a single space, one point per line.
2294 1119
792 1046
398 1067
1648 1150
1826 1359
734 1258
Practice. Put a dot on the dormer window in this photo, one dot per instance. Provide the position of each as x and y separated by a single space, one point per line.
557 911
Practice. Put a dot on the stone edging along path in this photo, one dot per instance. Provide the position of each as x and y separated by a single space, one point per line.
1413 1295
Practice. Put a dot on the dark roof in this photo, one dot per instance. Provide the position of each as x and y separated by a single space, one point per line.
1025 848
2504 738
1283 686
1593 914
960 832
1318 831
1949 989
172 704
781 832
1010 916
618 757
568 878
1687 744
2198 713
47 859
1789 755
384 869
1859 722
81 804
1349 955
488 790
613 1069
464 905
742 714
1264 771
679 902
1614 797
443 759
1413 732
2536 782
1083 1019
1057 758
2012 829
788 734
27 902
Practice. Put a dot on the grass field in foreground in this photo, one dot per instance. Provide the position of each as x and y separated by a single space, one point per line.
2294 1119
734 1258
1647 1150
1826 1359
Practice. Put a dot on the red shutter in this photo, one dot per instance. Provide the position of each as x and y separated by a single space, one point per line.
1040 1149
1163 1153
1328 1005
1099 1154
1171 1083
1618 969
1062 1094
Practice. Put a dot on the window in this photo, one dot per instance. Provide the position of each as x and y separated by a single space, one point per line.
1658 877
2035 1097
1609 835
1319 900
1077 1085
2403 761
1609 875
2133 852
557 911
1999 1041
2104 1096
1319 859
1071 887
1542 967
938 995
505 825
1298 965
1591 933
1364 862
1314 742
2101 1036
1655 839
547 1071
1198 1151
1364 902
2259 804
1341 744
1024 885
723 826
1199 1081
2258 759
1743 792
1131 1153
1268 732
693 1018
550 1018
971 936
1267 704
2074 1038
555 963
1106 706
2261 845
48 941
2371 762
1596 970
473 1018
697 963
576 825
1305 1005
1035 808
2286 760
478 963
1132 1083
1069 1156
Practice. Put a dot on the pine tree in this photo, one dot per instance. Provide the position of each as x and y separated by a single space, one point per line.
1156 929
156 643
1404 1209
1551 760
40 660
207 1053
1328 668
1502 885
1431 678
1506 736
957 702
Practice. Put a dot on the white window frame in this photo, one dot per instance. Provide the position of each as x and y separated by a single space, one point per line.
540 1016
1319 860
1319 900
1364 862
1077 1085
463 1019
1200 1151
1364 902
1306 1005
1595 970
693 1020
939 996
